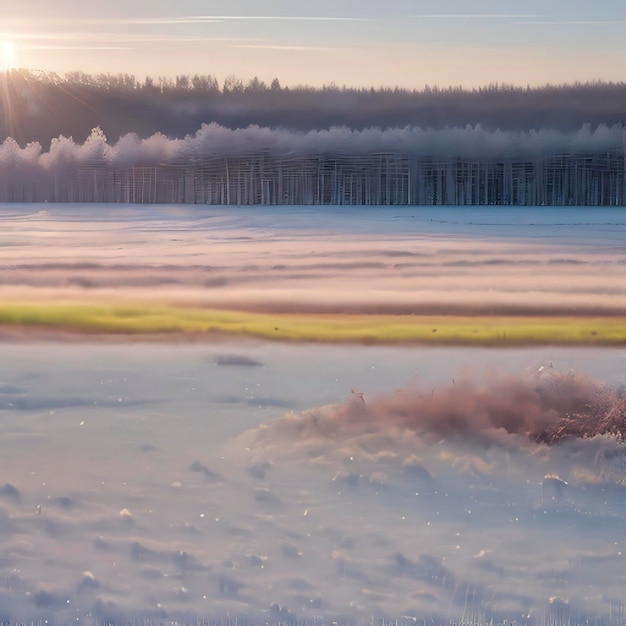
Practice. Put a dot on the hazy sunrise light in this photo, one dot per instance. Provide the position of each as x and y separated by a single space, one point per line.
8 58
312 313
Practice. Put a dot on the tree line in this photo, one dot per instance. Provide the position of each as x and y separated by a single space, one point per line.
36 106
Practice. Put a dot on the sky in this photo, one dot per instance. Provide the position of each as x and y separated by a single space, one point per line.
369 43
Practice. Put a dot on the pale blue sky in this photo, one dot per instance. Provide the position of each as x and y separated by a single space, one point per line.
353 42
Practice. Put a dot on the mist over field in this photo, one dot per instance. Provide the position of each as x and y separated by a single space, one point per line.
213 140
269 483
396 260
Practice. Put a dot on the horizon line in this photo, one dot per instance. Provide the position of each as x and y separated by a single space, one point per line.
330 85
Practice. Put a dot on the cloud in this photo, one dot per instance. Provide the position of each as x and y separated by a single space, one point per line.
581 22
215 19
288 47
76 47
480 16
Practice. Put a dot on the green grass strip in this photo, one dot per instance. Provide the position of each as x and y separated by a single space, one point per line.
143 318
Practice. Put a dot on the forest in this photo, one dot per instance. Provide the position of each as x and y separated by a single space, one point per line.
112 138
38 107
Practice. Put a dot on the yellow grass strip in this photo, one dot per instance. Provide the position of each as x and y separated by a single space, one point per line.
143 318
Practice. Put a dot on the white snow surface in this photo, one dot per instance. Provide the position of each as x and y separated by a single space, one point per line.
178 482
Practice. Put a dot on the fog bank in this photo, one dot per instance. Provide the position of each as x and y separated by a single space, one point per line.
215 141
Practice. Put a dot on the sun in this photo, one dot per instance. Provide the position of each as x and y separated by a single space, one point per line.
8 56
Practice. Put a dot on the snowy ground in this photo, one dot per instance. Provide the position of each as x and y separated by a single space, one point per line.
138 485
174 482
298 258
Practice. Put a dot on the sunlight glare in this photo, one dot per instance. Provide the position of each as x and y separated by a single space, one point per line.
8 57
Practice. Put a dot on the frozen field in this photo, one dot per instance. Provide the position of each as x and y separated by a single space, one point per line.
416 259
267 483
